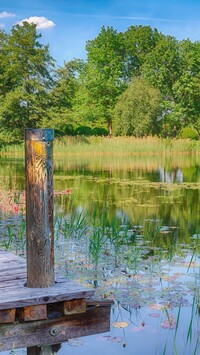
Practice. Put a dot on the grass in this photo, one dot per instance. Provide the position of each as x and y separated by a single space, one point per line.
115 145
124 145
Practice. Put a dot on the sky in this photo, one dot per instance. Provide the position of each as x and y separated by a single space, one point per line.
66 25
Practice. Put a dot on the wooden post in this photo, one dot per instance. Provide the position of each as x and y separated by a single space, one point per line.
39 207
44 350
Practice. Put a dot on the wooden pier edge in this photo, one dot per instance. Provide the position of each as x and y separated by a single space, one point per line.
57 330
40 317
13 284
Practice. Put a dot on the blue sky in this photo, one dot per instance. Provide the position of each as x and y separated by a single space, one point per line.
66 25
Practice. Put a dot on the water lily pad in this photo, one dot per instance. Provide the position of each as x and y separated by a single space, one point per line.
120 324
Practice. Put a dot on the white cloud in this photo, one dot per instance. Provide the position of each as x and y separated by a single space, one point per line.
6 14
2 25
40 22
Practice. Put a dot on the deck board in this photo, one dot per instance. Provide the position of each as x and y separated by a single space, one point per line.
14 293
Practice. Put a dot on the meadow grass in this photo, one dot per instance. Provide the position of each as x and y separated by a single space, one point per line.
116 145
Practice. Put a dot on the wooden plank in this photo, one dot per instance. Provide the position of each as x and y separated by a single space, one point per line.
12 276
16 269
54 331
74 306
9 283
31 313
7 256
8 280
19 295
7 315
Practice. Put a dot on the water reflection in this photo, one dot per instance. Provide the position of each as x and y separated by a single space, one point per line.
155 261
153 168
171 176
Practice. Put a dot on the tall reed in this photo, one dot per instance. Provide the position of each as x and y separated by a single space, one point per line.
115 145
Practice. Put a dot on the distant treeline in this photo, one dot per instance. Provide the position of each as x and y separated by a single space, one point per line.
135 83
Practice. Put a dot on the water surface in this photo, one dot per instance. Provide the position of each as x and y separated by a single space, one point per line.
130 228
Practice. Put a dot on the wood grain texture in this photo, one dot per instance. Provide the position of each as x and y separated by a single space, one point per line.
39 208
39 336
30 313
54 331
74 306
7 316
15 294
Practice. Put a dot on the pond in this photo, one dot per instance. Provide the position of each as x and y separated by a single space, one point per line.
128 226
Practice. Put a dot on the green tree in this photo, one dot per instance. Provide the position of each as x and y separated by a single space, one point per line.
162 66
26 78
104 75
187 87
137 110
3 62
66 84
162 69
139 41
63 97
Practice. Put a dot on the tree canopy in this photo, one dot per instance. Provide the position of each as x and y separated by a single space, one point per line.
138 82
137 109
25 67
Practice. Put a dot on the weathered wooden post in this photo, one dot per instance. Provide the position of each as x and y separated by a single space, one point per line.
39 207
46 350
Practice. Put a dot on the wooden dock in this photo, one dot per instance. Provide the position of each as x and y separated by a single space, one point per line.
32 317
15 294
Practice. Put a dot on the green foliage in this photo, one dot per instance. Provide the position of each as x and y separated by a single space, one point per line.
59 119
5 138
66 84
104 73
25 79
84 131
100 131
189 132
187 87
88 131
197 125
162 65
136 110
139 41
138 82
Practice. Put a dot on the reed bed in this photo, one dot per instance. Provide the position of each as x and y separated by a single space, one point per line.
124 145
114 146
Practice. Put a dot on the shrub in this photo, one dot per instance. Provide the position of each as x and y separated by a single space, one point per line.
100 131
84 131
189 132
